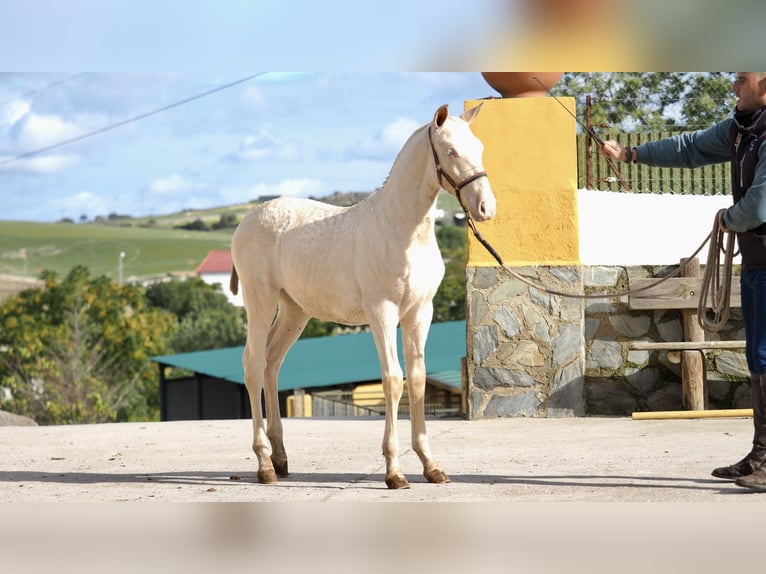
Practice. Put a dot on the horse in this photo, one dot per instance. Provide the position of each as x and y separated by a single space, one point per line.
374 263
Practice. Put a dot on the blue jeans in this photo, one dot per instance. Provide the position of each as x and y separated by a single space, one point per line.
753 285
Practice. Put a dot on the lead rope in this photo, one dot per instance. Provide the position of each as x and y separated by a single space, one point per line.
674 273
715 288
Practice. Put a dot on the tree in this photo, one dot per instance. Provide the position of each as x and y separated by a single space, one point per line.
655 101
79 350
318 328
226 221
449 301
196 225
206 319
450 238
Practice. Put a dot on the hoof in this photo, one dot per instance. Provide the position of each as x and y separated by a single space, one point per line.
281 468
267 477
436 476
397 482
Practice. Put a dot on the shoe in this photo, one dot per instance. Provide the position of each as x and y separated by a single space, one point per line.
737 470
755 480
757 457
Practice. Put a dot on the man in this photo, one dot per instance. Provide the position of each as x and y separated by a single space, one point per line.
737 139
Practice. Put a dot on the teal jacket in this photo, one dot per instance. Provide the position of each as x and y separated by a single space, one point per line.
718 144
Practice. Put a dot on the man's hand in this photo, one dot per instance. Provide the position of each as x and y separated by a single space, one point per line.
721 222
614 150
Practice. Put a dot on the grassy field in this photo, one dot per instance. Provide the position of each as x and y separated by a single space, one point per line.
27 248
152 246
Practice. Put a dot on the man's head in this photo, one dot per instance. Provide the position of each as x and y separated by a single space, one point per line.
750 88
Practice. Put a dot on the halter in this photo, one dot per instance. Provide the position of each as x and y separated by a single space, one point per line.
443 174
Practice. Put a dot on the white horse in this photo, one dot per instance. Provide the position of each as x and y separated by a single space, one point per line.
376 263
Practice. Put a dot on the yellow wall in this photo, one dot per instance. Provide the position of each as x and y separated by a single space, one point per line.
530 156
369 395
308 406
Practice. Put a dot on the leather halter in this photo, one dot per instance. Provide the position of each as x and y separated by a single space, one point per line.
443 174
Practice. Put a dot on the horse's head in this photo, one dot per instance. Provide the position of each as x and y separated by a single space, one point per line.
457 153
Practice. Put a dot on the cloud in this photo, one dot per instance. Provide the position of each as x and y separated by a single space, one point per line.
386 143
303 187
43 164
43 130
265 147
80 203
174 184
252 97
12 112
23 131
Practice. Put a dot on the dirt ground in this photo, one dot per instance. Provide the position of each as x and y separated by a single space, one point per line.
527 495
518 460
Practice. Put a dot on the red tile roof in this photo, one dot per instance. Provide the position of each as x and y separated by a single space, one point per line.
216 262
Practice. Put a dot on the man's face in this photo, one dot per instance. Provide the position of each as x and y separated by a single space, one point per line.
750 88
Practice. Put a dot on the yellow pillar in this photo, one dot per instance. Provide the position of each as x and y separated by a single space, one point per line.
525 347
530 156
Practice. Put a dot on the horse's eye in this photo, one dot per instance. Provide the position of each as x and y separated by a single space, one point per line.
451 152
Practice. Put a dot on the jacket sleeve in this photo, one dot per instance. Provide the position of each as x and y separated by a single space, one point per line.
750 211
691 149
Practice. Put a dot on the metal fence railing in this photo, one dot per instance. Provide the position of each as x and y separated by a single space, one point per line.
636 107
593 172
348 403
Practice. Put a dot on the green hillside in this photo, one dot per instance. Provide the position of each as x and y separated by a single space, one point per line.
152 245
27 248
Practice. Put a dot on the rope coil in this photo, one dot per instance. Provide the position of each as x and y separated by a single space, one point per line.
715 288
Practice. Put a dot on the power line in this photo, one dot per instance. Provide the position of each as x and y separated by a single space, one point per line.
128 121
44 88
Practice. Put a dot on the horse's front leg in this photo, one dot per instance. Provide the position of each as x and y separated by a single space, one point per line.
393 387
414 339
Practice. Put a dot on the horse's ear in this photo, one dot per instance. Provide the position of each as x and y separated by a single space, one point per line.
470 115
440 116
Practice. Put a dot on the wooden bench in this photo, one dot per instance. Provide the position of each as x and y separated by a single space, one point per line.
683 293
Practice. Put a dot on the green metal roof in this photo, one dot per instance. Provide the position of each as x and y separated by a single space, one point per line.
329 361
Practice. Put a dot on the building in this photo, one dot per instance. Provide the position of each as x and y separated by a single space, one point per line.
329 376
216 269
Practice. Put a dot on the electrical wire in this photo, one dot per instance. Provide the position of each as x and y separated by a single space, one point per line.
44 88
128 121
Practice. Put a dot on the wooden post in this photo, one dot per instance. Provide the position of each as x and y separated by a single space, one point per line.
463 386
298 395
692 383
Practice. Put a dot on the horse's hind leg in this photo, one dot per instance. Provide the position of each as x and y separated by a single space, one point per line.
259 317
414 341
286 329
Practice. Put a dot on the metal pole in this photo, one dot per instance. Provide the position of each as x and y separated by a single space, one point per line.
588 146
119 267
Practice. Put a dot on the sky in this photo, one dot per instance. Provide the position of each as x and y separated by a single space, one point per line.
362 76
299 134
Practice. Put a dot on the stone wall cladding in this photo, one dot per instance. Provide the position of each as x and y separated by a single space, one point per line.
619 381
525 347
535 354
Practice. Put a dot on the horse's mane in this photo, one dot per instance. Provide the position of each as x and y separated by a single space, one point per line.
406 144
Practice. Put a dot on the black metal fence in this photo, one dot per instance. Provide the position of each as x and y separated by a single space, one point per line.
633 108
593 172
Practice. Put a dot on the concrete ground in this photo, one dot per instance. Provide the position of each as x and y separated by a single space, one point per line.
339 460
527 495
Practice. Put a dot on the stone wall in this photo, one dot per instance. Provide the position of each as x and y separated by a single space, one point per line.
526 354
535 354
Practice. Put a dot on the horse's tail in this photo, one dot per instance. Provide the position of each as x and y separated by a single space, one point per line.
234 280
